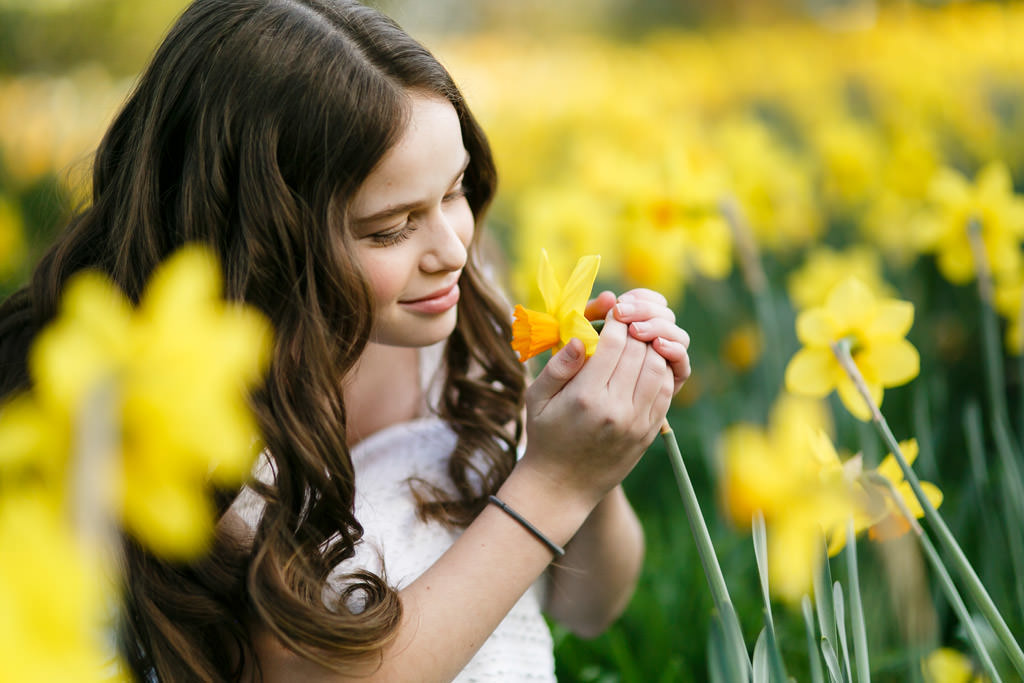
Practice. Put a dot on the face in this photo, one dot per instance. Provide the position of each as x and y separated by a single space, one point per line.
412 227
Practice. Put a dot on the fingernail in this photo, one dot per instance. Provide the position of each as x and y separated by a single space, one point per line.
625 309
641 327
572 351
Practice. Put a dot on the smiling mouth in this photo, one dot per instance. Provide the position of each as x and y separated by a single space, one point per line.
437 302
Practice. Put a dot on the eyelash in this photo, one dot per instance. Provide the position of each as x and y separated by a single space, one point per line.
405 231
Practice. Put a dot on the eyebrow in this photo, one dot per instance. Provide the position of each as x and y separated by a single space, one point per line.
407 206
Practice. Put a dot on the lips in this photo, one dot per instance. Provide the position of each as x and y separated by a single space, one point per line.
435 302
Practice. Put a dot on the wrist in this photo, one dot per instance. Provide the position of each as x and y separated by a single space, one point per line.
547 503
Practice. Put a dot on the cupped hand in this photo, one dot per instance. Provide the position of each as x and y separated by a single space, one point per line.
589 423
650 320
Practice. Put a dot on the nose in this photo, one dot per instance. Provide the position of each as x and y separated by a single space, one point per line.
446 250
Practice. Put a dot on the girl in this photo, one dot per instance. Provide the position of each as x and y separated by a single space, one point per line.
333 166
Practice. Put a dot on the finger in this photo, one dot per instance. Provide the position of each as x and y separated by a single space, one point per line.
633 310
649 330
606 356
598 307
562 367
623 382
643 294
654 378
678 360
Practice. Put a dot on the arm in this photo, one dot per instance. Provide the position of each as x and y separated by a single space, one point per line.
588 427
592 584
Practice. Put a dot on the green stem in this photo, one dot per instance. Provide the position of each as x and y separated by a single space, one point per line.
993 352
860 634
757 283
948 542
949 588
705 548
946 581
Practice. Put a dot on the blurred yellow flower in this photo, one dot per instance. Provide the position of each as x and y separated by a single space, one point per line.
55 598
180 367
1009 302
991 201
779 471
878 511
875 330
535 331
742 347
824 268
946 665
890 522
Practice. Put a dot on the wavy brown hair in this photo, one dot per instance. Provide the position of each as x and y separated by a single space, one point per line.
250 131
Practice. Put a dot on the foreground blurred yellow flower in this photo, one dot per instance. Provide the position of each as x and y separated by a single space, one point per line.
176 373
947 665
54 597
534 332
991 201
779 472
875 330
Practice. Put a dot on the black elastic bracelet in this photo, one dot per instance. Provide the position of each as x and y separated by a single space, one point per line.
554 547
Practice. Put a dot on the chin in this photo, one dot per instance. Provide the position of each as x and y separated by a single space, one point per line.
416 333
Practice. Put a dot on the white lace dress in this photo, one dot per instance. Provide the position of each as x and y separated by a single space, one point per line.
520 649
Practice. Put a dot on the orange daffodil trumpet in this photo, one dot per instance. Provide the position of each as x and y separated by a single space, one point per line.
534 332
875 329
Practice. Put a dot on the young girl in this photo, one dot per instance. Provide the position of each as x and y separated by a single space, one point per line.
334 167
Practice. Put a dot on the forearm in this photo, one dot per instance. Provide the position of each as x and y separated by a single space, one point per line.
592 584
451 609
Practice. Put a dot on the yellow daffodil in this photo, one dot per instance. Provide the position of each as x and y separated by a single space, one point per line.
877 511
1009 302
55 598
991 201
178 369
802 495
875 330
890 522
536 331
946 665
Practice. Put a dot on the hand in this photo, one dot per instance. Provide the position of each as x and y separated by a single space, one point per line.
650 320
588 423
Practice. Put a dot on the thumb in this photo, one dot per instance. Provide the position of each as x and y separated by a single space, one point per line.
562 367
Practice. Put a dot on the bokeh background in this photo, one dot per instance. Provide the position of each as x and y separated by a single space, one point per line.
741 157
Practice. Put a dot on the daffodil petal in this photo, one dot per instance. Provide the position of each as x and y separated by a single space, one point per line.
890 469
932 492
577 289
854 402
815 327
893 319
994 181
850 300
891 363
550 290
575 325
811 372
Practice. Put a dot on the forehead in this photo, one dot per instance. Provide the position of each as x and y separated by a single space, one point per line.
424 161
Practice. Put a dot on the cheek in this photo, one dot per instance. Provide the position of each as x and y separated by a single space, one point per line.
384 277
463 222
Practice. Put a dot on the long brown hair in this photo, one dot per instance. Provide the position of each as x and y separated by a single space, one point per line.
250 131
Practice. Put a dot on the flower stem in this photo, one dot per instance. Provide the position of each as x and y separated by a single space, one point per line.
948 542
757 283
860 634
705 548
948 587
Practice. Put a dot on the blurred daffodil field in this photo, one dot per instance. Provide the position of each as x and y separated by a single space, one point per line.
810 192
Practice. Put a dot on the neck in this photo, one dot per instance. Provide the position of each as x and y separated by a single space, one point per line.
383 389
